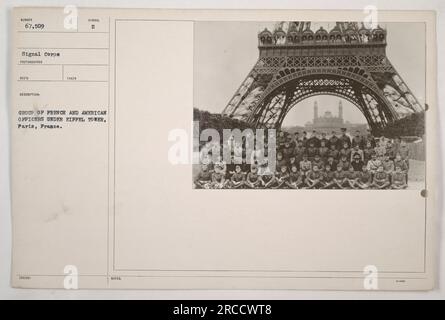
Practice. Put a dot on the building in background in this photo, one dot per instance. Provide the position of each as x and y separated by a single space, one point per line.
329 122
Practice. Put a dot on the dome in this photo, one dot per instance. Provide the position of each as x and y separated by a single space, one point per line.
308 32
265 32
292 37
308 35
321 35
265 37
321 32
279 33
335 34
378 34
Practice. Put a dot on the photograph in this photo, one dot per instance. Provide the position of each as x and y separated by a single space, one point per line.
128 130
309 105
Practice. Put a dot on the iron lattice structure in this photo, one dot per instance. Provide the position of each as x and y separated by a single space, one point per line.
295 63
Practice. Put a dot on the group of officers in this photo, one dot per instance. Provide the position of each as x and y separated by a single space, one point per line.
317 162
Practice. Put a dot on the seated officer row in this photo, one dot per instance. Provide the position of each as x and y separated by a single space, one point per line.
315 178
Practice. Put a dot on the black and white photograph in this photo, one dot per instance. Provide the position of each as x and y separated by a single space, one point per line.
239 153
309 105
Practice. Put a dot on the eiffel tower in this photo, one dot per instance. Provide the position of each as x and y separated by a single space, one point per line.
348 61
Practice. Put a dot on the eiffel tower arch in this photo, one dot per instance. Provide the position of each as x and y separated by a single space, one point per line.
348 61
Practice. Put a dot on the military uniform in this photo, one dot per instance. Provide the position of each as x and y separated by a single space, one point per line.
352 175
373 165
334 154
398 180
345 139
334 141
380 179
323 152
218 180
282 178
295 180
339 178
357 141
345 152
319 164
328 178
204 179
332 164
365 179
305 166
298 153
326 142
388 166
253 178
313 140
311 152
237 179
357 165
357 154
267 178
312 175
344 164
402 164
367 154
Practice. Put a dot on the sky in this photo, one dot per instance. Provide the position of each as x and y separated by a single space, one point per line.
225 52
